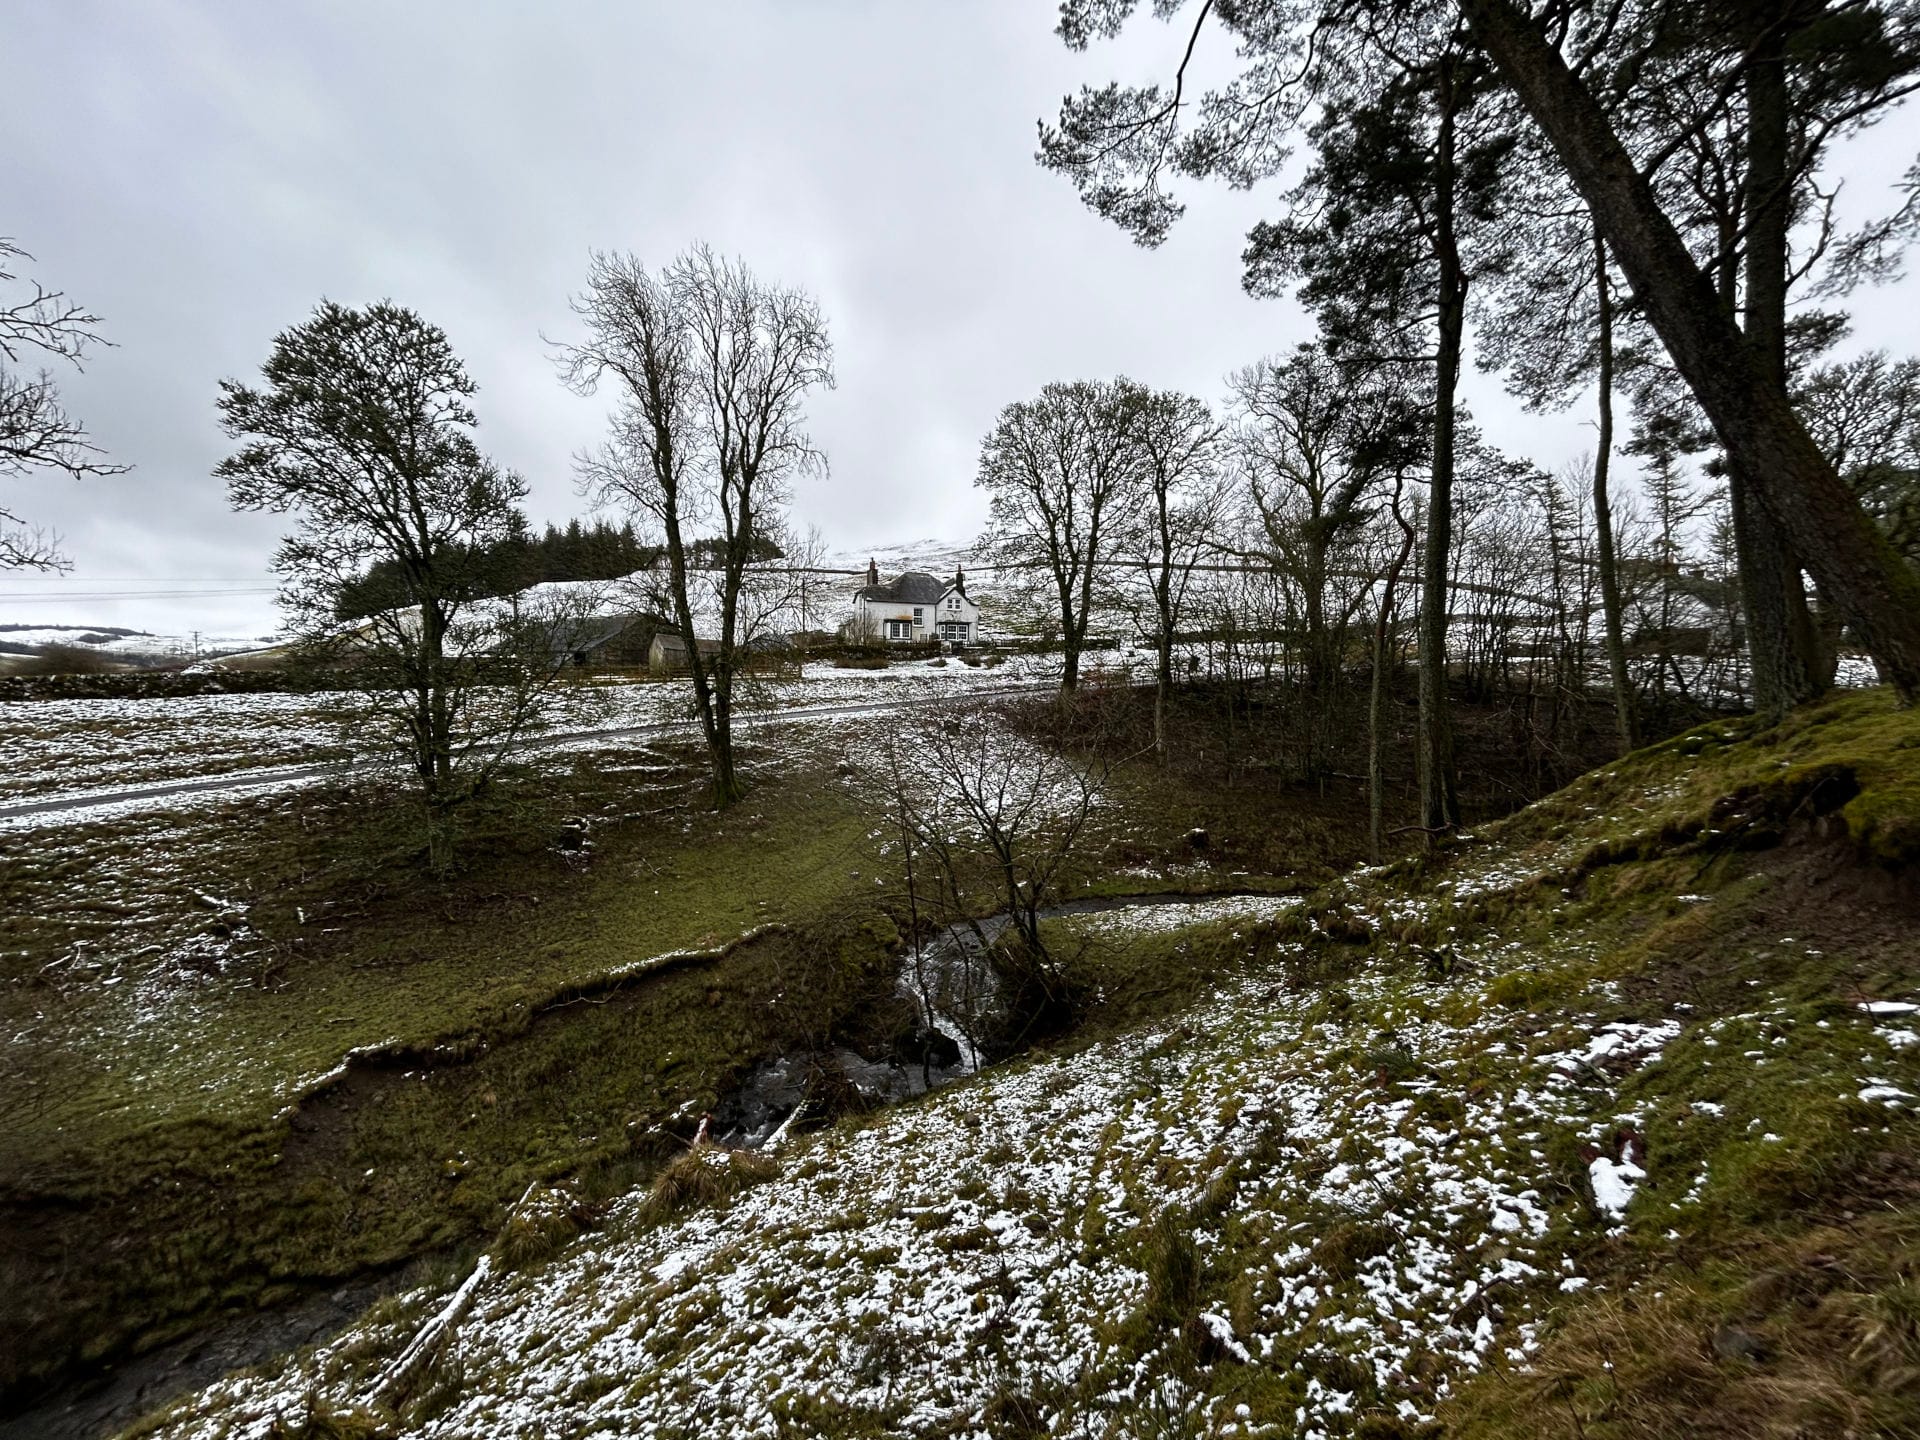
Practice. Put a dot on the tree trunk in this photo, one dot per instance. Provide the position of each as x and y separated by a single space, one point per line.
1782 648
726 785
1750 412
1377 700
1439 802
1779 677
436 767
1321 671
436 758
1162 681
1626 704
713 727
1313 603
1069 640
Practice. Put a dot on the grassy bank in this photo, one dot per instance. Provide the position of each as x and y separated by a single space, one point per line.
186 1133
1599 1123
257 1049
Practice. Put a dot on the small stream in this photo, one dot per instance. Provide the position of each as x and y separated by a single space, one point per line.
104 1404
951 985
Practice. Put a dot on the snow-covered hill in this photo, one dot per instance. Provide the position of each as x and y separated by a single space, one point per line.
117 645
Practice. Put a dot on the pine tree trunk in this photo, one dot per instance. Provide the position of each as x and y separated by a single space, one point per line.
1750 412
1377 699
1626 704
1769 585
1439 803
1783 648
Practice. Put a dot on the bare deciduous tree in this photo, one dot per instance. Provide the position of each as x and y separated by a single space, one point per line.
1182 505
36 432
1315 440
1865 415
714 367
997 821
1063 480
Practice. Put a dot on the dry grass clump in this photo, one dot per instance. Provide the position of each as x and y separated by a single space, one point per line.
536 1229
705 1175
323 1420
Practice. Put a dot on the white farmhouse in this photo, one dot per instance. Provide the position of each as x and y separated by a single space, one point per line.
915 606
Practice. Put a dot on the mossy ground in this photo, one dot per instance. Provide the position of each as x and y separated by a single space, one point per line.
1762 884
160 1159
1756 887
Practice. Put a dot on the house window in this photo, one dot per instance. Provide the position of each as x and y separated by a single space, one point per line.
899 630
954 630
919 618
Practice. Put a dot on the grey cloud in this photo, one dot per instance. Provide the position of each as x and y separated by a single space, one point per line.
202 173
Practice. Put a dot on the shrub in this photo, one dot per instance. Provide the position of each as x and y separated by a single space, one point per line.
66 660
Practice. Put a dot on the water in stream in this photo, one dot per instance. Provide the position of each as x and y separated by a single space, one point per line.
951 984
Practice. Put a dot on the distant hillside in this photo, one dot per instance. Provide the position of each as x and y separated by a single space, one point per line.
111 647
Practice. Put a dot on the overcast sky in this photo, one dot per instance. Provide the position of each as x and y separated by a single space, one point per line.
201 174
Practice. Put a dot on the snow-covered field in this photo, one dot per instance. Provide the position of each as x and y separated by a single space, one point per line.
119 643
76 747
60 746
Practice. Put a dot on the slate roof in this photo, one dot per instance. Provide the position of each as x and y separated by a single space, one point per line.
916 587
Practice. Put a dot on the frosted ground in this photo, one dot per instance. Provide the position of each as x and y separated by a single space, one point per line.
1004 1241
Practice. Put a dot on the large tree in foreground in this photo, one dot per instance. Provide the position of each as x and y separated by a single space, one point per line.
713 366
361 430
1122 143
1064 480
1737 381
36 432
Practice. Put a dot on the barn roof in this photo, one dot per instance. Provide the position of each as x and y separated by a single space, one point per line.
916 587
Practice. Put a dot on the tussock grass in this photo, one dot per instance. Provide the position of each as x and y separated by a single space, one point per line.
536 1229
705 1175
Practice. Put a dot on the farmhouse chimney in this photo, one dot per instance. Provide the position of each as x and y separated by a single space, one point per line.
873 572
960 580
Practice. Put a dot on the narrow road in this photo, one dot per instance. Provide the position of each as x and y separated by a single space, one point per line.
272 777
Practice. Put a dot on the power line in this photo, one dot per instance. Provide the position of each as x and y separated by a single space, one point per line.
145 579
95 597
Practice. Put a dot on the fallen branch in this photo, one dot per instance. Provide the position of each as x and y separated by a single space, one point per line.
426 1346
